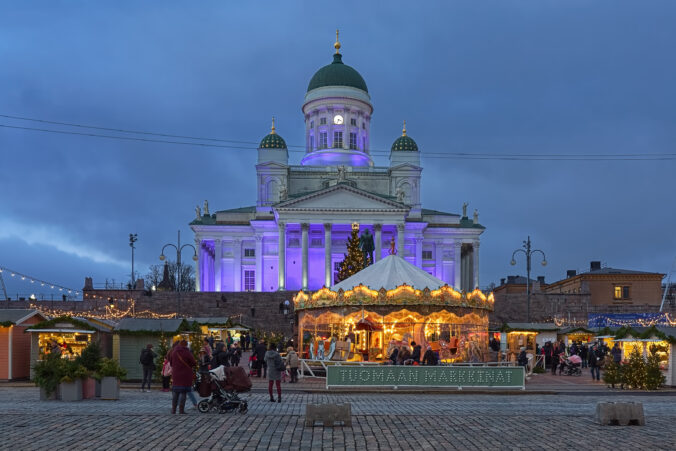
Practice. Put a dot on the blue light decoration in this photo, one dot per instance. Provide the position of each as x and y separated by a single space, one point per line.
601 320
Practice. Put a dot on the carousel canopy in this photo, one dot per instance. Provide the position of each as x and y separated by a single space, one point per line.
389 273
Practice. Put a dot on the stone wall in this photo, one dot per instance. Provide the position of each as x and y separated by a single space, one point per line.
257 310
573 308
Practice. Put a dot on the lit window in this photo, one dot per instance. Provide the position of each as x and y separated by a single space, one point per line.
427 255
323 140
249 252
322 121
618 293
353 122
338 139
353 140
249 280
621 292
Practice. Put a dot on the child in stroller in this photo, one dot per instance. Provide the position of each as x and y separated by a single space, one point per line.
571 366
225 383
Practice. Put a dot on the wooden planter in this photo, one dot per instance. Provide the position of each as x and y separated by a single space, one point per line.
71 391
88 388
110 388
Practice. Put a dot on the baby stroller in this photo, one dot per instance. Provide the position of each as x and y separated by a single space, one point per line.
572 366
226 383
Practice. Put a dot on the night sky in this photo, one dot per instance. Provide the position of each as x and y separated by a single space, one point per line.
543 79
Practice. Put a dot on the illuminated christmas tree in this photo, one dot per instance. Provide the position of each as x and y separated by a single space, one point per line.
354 259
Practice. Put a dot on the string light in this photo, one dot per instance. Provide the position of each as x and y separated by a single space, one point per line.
36 279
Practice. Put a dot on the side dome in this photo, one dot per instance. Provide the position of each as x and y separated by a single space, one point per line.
405 142
273 140
337 74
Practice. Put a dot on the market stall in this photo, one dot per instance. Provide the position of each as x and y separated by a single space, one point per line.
354 321
528 335
15 345
575 334
220 328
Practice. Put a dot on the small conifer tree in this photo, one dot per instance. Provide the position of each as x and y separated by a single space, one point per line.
162 350
634 371
354 259
654 378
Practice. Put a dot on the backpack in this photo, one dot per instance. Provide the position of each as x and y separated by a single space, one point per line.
146 357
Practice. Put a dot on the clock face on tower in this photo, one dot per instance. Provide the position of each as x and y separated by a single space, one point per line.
338 119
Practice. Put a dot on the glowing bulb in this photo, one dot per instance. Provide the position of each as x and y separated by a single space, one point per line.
23 278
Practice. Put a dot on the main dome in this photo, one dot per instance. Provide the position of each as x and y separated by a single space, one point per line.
337 74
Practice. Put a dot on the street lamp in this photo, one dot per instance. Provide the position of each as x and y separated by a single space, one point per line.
528 252
133 237
179 249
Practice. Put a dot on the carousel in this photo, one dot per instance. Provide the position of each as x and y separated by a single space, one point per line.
389 304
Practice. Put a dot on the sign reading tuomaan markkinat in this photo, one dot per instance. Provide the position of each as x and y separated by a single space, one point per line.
425 376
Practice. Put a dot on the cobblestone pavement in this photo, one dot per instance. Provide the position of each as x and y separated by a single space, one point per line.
380 421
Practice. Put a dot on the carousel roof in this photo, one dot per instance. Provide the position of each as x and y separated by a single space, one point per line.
389 273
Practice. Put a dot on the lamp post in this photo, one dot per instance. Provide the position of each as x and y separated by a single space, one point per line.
528 252
133 237
179 249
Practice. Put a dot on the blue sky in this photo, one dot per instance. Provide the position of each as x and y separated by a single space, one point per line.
493 77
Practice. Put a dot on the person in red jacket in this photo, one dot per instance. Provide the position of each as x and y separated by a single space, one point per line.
182 367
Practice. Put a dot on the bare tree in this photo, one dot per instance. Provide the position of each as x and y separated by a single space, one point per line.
155 276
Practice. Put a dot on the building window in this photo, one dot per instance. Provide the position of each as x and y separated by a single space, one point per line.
312 124
336 269
338 139
427 255
363 144
316 242
249 253
353 122
323 141
322 121
353 140
294 242
363 125
621 293
249 280
312 142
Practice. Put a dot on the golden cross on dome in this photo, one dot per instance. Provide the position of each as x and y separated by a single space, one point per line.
403 131
272 130
337 44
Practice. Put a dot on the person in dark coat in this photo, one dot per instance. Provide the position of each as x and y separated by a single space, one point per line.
429 358
523 357
182 366
555 357
584 354
147 359
415 355
260 359
274 365
394 356
616 353
220 356
595 356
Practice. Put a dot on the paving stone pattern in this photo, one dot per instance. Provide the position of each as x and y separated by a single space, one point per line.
380 421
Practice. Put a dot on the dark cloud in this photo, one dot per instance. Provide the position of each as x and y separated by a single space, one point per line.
527 77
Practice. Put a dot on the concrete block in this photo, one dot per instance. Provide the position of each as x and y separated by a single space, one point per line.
328 414
620 413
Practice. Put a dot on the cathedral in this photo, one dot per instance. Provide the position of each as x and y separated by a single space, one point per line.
295 236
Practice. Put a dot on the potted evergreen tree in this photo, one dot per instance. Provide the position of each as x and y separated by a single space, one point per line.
71 381
47 374
90 358
110 372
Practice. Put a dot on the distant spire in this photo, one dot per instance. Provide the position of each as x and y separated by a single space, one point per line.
272 130
403 131
337 44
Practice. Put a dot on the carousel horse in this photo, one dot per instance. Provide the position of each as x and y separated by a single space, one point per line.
312 351
332 349
320 350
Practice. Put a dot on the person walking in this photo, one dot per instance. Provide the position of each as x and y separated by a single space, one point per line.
415 355
261 365
555 357
594 362
275 367
293 362
147 360
182 366
616 353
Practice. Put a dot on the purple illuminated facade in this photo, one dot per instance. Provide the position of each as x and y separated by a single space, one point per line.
296 233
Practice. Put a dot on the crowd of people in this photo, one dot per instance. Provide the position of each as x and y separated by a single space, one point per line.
403 354
557 356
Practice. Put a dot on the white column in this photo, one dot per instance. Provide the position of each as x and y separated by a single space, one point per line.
237 264
457 264
378 229
438 262
304 227
218 260
418 252
327 256
400 240
475 260
259 263
281 256
198 249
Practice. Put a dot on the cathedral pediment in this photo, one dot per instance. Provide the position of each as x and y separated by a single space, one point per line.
341 197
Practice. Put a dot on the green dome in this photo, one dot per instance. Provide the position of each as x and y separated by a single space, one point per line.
405 143
337 74
273 141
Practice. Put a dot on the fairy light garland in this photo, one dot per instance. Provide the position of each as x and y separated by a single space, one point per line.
33 280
